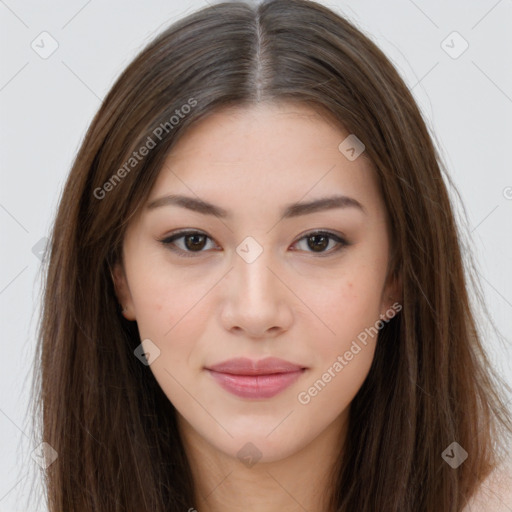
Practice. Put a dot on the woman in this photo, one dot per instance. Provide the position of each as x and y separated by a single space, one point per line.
255 294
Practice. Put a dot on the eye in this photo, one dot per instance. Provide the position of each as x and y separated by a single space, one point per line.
318 241
194 242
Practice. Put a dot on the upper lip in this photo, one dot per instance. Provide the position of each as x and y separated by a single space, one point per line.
245 366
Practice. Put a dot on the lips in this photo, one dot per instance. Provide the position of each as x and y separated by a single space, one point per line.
244 366
249 378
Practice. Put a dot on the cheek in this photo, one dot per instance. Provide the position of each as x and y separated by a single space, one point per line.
348 301
348 345
342 357
349 307
165 298
332 388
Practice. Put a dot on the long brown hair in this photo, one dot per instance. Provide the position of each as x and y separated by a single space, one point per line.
430 383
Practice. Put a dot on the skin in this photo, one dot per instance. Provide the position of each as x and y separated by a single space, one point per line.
294 303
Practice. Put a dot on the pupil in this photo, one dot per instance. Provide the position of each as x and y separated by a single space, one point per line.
195 244
323 245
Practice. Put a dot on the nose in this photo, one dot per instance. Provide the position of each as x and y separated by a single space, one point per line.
256 299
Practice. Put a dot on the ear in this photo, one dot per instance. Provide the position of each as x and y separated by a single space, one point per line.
122 290
391 301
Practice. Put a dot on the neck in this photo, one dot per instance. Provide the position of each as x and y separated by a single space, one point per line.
298 482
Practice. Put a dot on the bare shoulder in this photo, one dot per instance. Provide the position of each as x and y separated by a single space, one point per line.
495 493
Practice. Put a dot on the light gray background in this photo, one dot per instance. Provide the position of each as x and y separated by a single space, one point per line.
47 104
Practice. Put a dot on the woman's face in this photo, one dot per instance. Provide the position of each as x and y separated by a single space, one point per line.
253 280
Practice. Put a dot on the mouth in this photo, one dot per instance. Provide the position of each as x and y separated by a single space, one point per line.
248 378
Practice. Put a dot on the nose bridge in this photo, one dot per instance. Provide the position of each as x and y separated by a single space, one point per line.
255 295
256 282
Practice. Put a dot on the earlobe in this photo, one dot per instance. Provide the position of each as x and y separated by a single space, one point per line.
122 291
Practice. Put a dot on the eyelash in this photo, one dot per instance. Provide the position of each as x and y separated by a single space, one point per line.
168 242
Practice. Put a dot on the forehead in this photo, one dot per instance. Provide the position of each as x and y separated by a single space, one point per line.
261 132
267 150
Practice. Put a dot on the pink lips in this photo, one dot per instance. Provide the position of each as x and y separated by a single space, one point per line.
248 378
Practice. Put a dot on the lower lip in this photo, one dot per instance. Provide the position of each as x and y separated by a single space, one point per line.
256 386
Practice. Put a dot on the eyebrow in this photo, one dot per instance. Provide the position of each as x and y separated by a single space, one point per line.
290 210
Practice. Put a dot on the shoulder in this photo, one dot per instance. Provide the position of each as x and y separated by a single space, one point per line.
494 493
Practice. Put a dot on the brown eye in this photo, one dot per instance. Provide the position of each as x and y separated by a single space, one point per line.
195 242
318 242
192 242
